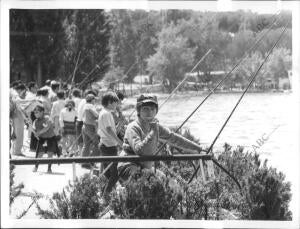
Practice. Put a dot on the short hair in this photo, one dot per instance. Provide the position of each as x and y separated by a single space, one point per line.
15 84
89 98
109 97
54 86
48 82
42 92
21 87
70 101
76 92
40 108
60 94
31 85
90 92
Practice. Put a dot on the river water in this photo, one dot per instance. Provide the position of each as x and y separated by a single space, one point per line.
272 117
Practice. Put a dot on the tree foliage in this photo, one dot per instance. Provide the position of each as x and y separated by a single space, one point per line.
47 43
173 57
87 33
36 42
14 190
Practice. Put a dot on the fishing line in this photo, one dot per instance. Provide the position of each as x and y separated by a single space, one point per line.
238 102
221 81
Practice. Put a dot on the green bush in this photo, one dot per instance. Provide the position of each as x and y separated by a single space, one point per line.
14 191
145 196
80 200
266 194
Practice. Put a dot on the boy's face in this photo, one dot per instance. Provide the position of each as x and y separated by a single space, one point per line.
112 106
148 112
38 113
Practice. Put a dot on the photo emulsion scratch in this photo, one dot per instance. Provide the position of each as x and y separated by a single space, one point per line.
155 116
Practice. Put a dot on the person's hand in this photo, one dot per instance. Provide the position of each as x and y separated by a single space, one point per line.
120 143
154 125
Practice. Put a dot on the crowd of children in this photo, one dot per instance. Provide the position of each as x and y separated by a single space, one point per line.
62 119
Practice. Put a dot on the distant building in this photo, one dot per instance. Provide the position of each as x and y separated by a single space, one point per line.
144 79
284 83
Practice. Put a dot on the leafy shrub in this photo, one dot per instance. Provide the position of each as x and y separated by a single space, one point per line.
14 190
145 196
80 200
265 193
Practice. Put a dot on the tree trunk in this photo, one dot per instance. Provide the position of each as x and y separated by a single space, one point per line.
39 73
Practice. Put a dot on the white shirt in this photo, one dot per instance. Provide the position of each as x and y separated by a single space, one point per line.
30 95
56 108
80 109
67 116
106 120
77 102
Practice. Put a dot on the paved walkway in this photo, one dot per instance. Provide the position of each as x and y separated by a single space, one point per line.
41 182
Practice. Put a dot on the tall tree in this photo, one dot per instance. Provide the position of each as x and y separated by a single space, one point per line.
173 57
36 38
87 33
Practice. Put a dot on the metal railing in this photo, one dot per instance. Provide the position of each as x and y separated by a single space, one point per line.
133 158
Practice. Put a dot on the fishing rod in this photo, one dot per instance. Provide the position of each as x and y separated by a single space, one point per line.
238 102
221 81
184 79
180 84
74 74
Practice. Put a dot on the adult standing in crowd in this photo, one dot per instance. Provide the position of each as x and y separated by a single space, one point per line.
79 121
89 133
32 89
18 120
53 91
56 109
42 95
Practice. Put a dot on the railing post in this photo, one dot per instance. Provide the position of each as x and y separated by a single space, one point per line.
74 171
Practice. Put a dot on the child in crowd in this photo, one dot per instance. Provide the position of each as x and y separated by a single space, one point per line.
42 95
79 122
44 130
67 124
89 133
56 109
119 118
108 137
76 97
143 135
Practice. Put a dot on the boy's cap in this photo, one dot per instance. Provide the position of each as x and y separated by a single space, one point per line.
142 99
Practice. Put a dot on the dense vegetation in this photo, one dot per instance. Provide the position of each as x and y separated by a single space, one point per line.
265 195
163 44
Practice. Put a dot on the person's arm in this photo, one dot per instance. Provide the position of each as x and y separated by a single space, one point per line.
61 119
134 137
178 141
45 129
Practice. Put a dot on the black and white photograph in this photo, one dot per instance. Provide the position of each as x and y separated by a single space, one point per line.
173 114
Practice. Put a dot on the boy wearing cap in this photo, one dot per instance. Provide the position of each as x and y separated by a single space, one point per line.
143 135
108 137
